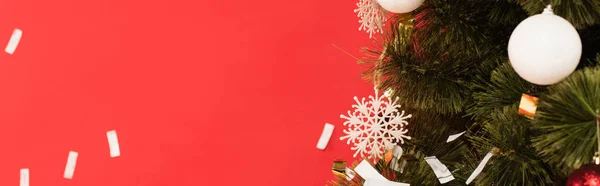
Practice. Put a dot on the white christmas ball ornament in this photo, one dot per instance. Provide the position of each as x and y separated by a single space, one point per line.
544 48
400 6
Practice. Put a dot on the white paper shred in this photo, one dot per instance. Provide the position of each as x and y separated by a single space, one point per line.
479 167
113 143
396 154
397 151
440 170
14 41
366 171
24 179
454 136
71 163
350 174
374 182
402 166
325 136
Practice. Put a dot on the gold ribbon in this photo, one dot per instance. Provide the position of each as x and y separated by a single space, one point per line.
339 168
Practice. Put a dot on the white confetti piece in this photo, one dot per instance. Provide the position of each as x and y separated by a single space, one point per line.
397 151
14 41
396 154
375 182
350 174
366 171
71 163
402 166
454 137
325 136
113 143
440 170
479 167
24 180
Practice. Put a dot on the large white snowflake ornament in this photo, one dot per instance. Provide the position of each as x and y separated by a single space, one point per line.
372 16
375 126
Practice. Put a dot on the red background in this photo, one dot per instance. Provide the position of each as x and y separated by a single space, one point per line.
200 92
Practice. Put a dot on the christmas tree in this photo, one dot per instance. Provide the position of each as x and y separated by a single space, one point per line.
447 63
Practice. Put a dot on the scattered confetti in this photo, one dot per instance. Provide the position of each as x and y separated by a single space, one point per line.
479 167
14 41
528 105
366 171
397 155
113 143
24 180
454 136
402 165
440 170
372 177
324 139
70 167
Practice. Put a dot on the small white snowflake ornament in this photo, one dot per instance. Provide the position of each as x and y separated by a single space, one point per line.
372 16
375 126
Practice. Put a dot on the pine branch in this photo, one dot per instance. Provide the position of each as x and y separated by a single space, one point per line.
431 141
432 58
447 62
566 118
506 13
406 73
503 89
517 163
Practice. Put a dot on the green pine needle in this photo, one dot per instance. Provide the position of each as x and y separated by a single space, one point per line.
447 63
566 118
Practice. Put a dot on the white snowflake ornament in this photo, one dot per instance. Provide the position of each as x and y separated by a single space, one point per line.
375 126
372 16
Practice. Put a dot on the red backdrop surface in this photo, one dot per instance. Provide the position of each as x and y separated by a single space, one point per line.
200 92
